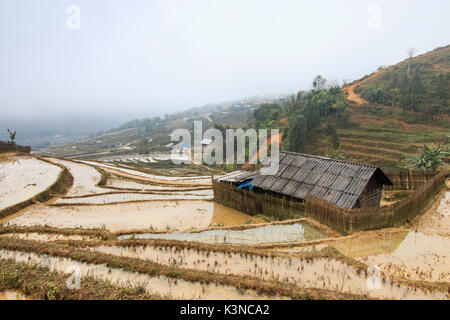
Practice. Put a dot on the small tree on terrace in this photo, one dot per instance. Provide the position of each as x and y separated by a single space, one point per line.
12 135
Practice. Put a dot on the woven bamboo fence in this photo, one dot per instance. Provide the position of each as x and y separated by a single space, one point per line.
254 203
12 147
348 221
408 180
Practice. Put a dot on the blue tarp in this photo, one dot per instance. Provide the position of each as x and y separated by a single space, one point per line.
246 184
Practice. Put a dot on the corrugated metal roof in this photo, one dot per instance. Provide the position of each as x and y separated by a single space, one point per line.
339 182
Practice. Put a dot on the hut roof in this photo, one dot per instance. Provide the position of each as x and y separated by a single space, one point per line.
339 182
238 176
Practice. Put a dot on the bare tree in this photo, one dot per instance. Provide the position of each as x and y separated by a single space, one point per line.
411 51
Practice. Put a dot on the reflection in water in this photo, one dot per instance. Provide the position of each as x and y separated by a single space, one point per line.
226 216
408 254
419 257
267 234
368 246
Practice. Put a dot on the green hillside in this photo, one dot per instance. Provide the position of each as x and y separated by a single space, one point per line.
401 112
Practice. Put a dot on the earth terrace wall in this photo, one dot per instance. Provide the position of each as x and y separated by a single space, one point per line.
349 221
254 203
12 147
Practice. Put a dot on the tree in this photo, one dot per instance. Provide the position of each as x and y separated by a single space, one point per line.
331 131
297 132
430 158
266 112
410 52
12 135
396 95
319 83
343 111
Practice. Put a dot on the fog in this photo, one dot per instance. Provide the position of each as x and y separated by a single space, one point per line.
144 58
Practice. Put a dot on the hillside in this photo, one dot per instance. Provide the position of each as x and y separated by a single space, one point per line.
378 119
152 135
383 133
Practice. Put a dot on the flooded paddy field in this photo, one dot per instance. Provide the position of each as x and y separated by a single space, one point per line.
304 271
23 177
143 175
437 219
401 253
257 235
171 221
127 184
151 215
160 285
418 257
134 197
85 178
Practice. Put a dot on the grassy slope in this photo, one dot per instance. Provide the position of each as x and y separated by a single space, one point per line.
382 135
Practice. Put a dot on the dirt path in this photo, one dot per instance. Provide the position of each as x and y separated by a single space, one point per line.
207 116
349 90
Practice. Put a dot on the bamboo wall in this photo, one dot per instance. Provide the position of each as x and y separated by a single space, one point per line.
348 221
408 180
254 203
345 221
12 147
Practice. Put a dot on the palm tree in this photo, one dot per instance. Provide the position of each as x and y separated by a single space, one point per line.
12 135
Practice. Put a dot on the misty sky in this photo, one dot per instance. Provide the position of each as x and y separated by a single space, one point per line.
142 58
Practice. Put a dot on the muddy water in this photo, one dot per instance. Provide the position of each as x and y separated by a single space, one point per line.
266 234
45 237
156 215
318 273
418 257
176 289
130 184
22 177
85 178
364 246
198 179
226 216
129 196
13 295
437 219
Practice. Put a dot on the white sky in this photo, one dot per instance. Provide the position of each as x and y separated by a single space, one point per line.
141 58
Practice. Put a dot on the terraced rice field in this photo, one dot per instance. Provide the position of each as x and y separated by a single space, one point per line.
23 177
145 237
